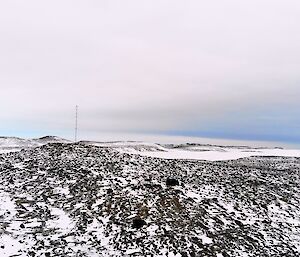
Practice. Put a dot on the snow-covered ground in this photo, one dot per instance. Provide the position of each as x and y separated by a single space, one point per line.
82 200
195 151
214 155
13 144
128 146
166 151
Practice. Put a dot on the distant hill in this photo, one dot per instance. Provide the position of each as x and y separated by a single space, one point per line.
128 146
16 143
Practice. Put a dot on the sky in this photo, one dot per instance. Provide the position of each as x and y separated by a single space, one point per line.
218 69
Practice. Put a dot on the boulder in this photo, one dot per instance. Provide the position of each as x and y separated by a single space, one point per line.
138 223
172 182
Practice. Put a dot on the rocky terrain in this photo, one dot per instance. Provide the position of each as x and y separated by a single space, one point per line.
82 200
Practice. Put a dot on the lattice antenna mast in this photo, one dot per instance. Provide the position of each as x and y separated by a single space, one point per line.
76 122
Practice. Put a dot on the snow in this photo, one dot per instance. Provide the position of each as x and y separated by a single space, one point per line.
195 196
13 144
9 243
62 221
132 251
194 152
205 239
60 190
9 150
151 229
128 146
6 204
183 151
11 246
213 155
247 195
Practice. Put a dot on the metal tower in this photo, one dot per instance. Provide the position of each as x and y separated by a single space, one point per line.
76 122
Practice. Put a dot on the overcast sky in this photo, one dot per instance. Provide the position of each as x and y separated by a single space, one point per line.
218 68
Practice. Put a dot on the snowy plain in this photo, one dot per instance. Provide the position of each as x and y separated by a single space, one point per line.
195 151
213 155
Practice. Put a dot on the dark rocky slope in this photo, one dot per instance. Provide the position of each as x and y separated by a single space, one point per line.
78 200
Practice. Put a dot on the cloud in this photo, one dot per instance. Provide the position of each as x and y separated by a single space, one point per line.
148 65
